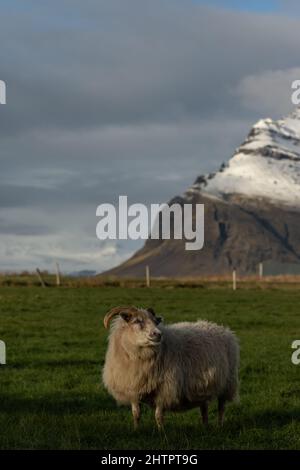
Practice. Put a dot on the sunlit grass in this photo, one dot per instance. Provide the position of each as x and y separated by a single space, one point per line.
51 394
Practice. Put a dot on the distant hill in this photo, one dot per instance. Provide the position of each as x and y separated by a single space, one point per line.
84 273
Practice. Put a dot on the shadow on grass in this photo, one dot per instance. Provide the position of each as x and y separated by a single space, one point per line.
55 404
270 418
101 403
60 363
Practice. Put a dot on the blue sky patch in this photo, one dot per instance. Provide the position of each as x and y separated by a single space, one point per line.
251 5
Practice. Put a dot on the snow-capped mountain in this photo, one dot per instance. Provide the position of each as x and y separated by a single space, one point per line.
252 210
266 165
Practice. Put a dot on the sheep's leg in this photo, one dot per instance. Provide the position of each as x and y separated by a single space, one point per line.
136 413
204 412
221 410
159 417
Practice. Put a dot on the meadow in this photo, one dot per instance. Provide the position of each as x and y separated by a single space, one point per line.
51 396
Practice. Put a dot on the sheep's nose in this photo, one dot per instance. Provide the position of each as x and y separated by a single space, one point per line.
155 334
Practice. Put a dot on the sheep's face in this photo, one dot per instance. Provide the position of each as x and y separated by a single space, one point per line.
142 329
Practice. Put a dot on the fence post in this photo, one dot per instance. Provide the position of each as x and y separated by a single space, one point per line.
261 270
234 279
57 274
40 277
147 276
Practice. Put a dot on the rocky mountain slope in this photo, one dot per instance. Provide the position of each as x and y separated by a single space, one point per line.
252 210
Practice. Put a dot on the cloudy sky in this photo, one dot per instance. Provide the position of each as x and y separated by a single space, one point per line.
131 97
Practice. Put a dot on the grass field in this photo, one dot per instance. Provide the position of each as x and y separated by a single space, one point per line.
51 395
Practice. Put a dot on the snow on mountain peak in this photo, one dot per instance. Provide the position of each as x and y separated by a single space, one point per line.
266 165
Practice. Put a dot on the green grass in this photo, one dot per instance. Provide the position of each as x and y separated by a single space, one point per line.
51 395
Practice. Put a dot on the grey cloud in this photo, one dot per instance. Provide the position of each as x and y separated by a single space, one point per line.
120 97
146 63
104 164
23 229
269 92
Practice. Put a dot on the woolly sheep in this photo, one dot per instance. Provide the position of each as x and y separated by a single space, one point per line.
175 367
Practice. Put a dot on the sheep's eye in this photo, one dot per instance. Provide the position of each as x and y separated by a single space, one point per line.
138 321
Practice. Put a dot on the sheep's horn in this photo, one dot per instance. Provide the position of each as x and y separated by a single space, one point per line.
116 311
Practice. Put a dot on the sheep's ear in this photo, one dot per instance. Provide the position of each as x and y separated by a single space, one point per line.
158 320
150 309
126 316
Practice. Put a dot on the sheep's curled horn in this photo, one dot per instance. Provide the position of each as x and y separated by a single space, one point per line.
117 311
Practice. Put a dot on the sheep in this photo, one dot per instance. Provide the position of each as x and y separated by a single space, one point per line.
175 367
